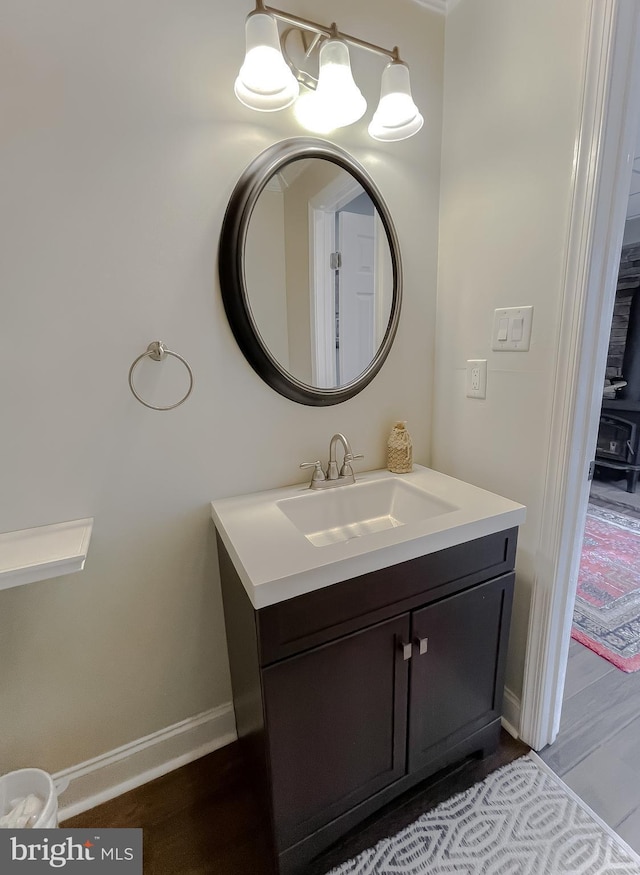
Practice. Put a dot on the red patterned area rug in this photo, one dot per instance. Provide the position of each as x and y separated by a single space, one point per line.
606 617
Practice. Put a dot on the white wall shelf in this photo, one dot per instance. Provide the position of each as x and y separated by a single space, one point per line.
43 552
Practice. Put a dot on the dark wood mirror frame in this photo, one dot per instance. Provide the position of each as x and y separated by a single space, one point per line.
232 273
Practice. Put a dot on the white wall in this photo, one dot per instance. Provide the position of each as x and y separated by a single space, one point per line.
513 86
265 273
121 143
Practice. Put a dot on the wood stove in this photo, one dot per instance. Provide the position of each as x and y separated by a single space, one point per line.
618 439
619 433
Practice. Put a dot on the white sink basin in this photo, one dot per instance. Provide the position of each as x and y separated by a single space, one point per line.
293 540
340 513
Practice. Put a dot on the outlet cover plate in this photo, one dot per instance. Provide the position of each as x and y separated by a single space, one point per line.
476 382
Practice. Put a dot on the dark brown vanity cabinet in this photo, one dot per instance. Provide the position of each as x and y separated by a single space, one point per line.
453 690
337 726
349 695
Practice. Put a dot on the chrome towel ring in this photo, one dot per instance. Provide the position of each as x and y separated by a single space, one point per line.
158 352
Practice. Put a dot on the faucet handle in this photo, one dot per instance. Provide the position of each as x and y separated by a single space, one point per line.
346 469
318 474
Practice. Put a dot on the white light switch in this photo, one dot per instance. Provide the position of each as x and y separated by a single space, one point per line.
517 328
512 329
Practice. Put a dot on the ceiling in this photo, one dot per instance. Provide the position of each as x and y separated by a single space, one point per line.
441 6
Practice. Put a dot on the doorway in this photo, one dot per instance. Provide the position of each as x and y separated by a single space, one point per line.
610 116
606 616
350 282
595 751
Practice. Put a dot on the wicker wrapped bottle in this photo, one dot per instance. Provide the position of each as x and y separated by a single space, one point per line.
399 450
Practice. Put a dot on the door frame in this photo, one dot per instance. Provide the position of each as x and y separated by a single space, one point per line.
602 172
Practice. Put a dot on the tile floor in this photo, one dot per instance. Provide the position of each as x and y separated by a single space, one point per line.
597 752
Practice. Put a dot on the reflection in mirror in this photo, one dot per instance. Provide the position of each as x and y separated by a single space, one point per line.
310 271
318 273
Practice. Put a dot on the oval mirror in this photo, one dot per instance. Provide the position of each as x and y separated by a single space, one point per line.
310 272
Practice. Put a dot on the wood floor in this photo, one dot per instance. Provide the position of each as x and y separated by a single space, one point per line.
205 818
597 752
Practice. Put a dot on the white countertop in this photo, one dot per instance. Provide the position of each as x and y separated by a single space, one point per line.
275 561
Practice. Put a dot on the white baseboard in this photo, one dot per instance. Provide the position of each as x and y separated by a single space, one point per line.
97 780
511 713
104 777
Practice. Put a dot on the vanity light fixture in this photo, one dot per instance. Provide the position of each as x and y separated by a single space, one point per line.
337 101
265 82
269 80
397 117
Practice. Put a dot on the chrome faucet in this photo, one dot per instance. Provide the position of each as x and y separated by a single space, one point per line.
334 476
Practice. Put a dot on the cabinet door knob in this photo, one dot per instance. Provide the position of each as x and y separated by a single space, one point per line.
407 650
423 645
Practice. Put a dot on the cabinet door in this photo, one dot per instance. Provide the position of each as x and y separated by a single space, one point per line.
336 726
456 684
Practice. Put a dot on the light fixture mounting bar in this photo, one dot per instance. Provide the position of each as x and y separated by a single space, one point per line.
330 32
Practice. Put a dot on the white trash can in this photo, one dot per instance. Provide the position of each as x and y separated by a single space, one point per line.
17 785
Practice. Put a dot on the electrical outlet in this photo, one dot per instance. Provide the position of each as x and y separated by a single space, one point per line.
476 378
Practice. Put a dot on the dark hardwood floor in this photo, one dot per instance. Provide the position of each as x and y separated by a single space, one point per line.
206 818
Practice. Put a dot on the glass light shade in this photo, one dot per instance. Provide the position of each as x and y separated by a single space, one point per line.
265 82
337 101
313 114
397 117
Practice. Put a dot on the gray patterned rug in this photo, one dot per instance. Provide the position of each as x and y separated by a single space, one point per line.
521 820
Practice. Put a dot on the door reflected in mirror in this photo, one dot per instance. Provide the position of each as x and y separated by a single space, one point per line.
318 273
310 271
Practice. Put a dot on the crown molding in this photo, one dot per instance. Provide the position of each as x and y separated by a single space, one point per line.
439 6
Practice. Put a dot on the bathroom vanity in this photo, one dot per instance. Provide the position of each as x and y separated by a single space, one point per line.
364 656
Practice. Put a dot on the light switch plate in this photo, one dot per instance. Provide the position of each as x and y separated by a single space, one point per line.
476 381
518 321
